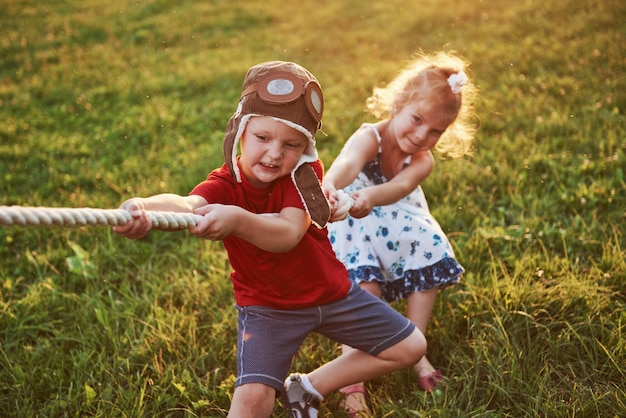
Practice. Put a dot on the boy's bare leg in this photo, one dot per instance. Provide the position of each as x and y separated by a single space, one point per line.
357 366
252 400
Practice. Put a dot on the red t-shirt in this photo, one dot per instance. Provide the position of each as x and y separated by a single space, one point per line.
308 275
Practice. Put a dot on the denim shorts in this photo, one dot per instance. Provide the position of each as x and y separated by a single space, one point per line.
269 338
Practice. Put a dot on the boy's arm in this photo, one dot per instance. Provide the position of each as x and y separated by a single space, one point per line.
274 233
167 202
170 202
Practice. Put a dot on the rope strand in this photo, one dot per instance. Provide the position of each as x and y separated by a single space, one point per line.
44 216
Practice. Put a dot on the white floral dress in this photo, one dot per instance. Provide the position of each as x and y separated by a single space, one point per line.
400 245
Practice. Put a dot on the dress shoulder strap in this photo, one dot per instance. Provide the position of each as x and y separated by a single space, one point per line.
378 137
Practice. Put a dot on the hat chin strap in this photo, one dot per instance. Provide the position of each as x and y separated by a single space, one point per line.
233 152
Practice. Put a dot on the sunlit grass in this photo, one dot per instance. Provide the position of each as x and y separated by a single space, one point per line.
100 101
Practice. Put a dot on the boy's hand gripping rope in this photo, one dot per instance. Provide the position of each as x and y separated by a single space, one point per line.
43 216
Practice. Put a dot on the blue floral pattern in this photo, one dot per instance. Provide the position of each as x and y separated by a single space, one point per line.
401 245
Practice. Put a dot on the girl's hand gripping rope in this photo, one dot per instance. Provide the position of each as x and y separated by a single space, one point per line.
341 206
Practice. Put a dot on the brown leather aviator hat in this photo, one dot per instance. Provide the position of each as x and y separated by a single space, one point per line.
290 94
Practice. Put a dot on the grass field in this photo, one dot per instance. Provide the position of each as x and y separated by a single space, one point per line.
101 101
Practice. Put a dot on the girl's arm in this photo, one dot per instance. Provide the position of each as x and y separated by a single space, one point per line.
360 148
275 233
401 185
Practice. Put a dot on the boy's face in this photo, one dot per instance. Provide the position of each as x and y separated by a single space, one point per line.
269 150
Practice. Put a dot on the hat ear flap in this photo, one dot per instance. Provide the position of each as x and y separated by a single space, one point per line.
312 196
234 129
229 144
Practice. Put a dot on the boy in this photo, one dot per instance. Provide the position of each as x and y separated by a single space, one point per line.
268 208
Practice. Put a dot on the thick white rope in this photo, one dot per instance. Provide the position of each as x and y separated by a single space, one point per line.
166 221
43 216
342 206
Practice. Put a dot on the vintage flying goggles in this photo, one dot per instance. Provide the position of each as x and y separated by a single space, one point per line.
282 87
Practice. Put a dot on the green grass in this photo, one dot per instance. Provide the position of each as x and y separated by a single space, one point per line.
101 101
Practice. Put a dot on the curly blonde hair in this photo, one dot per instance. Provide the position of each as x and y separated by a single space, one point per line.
426 78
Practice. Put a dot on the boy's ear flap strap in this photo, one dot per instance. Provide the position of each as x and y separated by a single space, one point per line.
229 144
308 185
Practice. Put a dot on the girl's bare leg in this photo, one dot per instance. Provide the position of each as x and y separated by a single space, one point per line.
419 309
355 400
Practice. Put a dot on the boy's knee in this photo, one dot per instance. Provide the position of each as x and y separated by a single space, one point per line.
415 347
252 399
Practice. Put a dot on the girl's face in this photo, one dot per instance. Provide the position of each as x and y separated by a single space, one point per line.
269 150
419 125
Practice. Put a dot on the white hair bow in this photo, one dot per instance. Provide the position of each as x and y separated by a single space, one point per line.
457 81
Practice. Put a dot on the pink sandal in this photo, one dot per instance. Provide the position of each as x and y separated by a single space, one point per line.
430 381
354 413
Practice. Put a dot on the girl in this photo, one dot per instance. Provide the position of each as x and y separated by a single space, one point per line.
390 243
